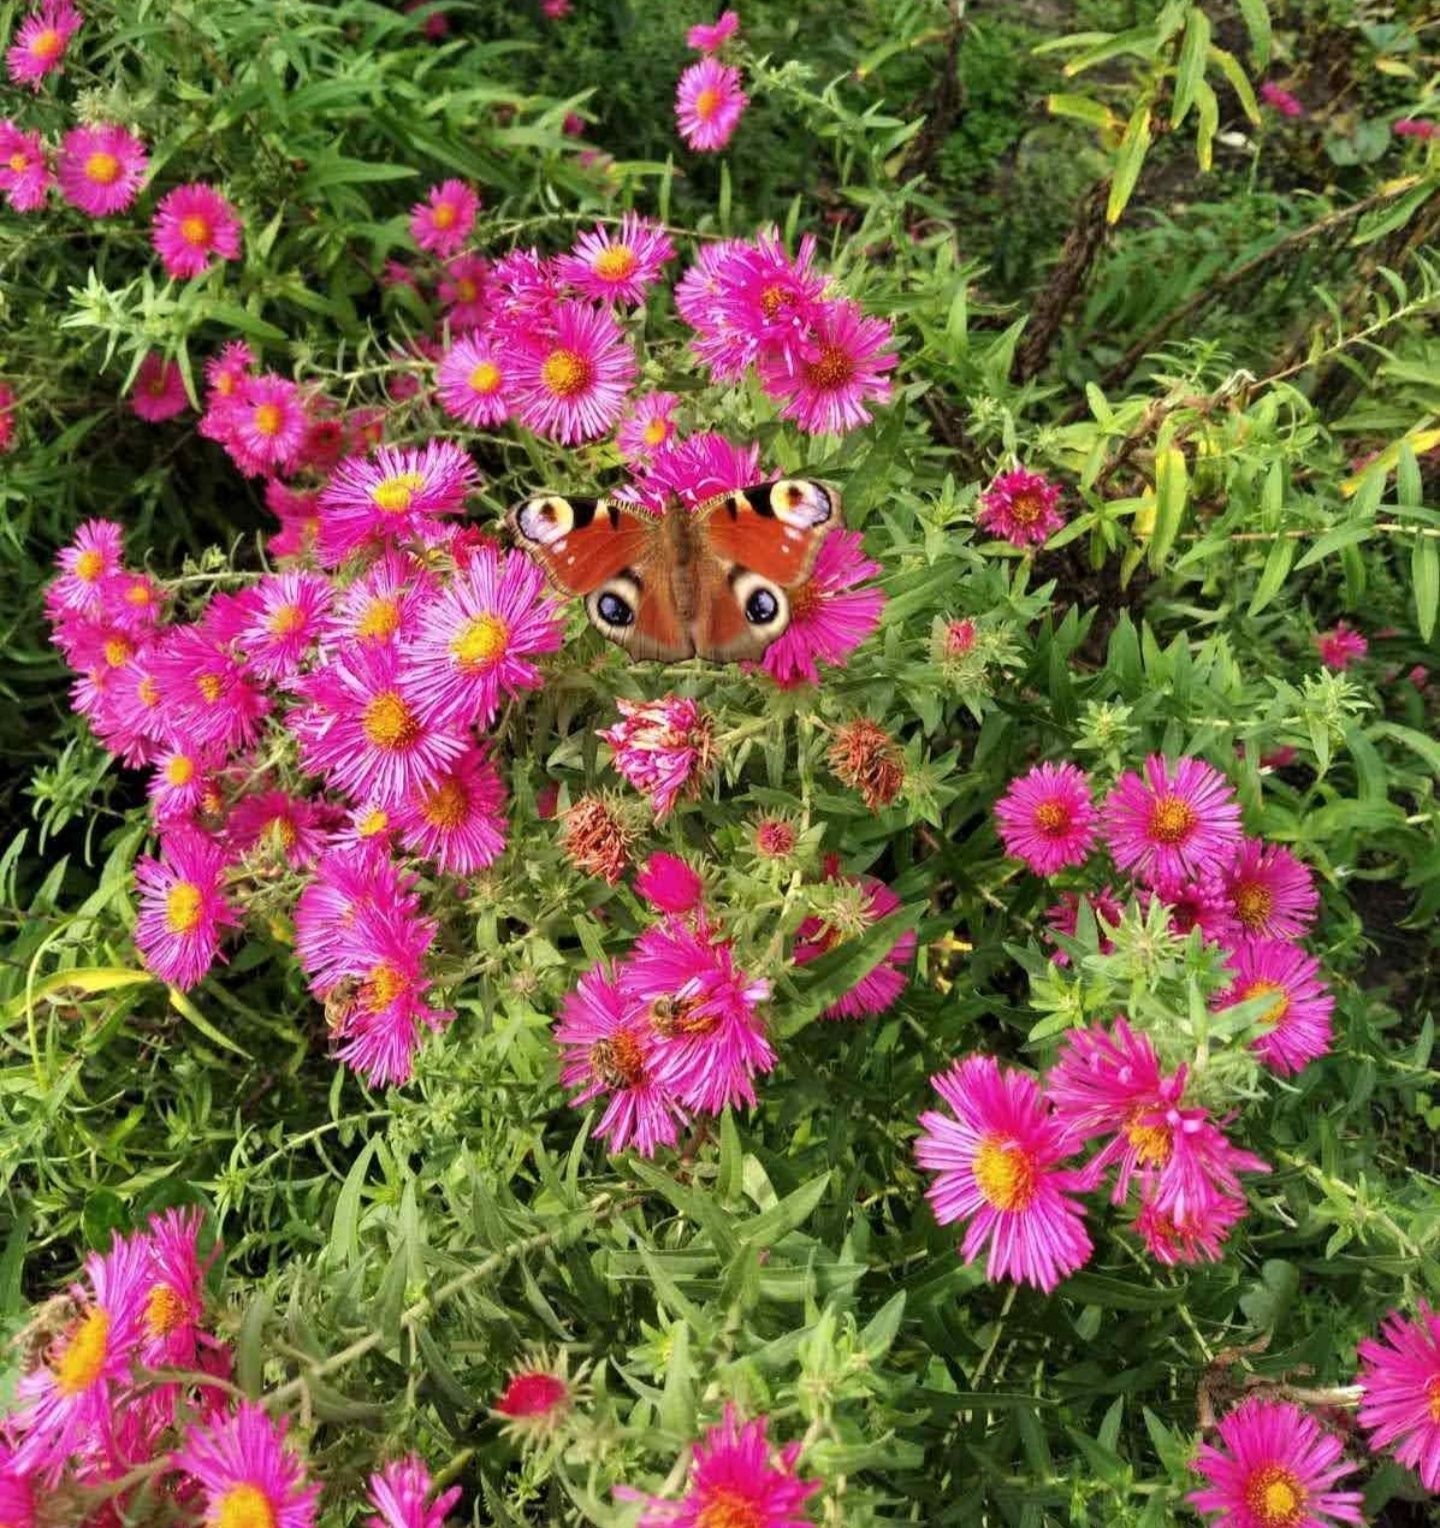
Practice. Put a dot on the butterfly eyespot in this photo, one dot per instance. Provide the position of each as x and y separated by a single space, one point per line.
613 610
763 604
802 504
545 521
761 608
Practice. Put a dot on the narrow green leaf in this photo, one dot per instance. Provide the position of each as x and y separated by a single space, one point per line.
1425 575
1190 68
1256 15
1128 161
1229 66
1276 571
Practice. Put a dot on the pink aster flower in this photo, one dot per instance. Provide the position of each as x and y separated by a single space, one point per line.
194 226
1341 647
570 383
1102 1078
383 605
393 496
1197 1238
40 42
245 1472
18 1492
266 427
225 371
100 168
459 822
1172 823
365 731
474 641
1296 1025
1019 506
1047 818
183 780
25 175
669 885
182 908
175 1291
288 618
834 371
556 10
462 290
710 1037
829 615
471 382
1184 1159
1416 127
737 1477
617 265
709 103
1281 99
401 1495
707 38
85 565
648 427
692 470
607 1050
665 748
883 983
1275 1468
283 826
159 390
345 881
206 697
996 1164
1267 892
442 222
748 299
1400 1381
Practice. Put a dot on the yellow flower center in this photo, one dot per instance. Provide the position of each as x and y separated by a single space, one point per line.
1052 819
244 1506
1275 1497
1151 1142
389 723
381 619
1004 1173
164 1311
774 299
730 1509
445 215
482 643
226 384
447 806
485 379
707 103
383 985
47 45
1280 1000
103 169
268 419
139 594
180 770
618 1061
1027 508
656 432
182 908
79 1366
148 691
394 495
466 290
615 263
118 651
195 230
1172 820
1432 1397
566 373
19 161
211 687
1253 903
376 820
89 565
832 368
285 620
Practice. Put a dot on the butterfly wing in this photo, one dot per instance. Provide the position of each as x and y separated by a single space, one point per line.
615 559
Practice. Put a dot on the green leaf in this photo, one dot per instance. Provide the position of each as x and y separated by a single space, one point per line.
191 1014
1425 576
1128 161
1081 109
1256 15
1276 571
1190 69
1171 490
1229 66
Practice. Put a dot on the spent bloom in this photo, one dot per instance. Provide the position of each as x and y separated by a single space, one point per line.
194 226
1169 824
100 168
1047 818
41 41
403 1496
665 748
617 265
1020 507
442 222
1400 1383
867 759
245 1471
1341 647
831 613
709 103
596 837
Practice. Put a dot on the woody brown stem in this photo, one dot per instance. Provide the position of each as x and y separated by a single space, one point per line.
1082 244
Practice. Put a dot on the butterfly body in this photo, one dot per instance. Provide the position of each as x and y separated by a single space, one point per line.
713 582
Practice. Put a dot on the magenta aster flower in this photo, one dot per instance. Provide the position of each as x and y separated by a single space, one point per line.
1047 818
462 290
1400 1381
1416 127
226 370
1267 892
1103 1082
194 226
289 616
1172 824
175 1292
830 616
266 427
1281 99
665 748
692 470
1185 1160
459 822
182 908
704 1010
40 42
474 640
246 1473
617 265
1341 647
745 299
285 827
85 565
159 390
670 885
1198 1238
183 779
707 38
570 383
883 983
206 698
607 1050
25 175
100 169
996 1164
1019 506
345 881
834 371
1296 1026
383 605
442 222
401 1495
537 1397
709 103
393 496
1275 1468
648 427
738 1479
470 381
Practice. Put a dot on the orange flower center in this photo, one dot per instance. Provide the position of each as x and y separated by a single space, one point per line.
1253 903
482 643
148 691
774 299
268 419
1052 819
211 687
656 432
180 770
182 908
285 620
389 723
730 1509
485 379
566 373
103 169
1027 508
118 651
89 565
1172 820
47 45
139 594
1151 1142
447 806
164 1311
79 1366
1280 1000
1432 1397
195 230
445 216
383 985
707 103
381 619
19 161
832 368
618 1061
1275 1497
245 1506
394 495
616 262
1004 1173
466 290
226 384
